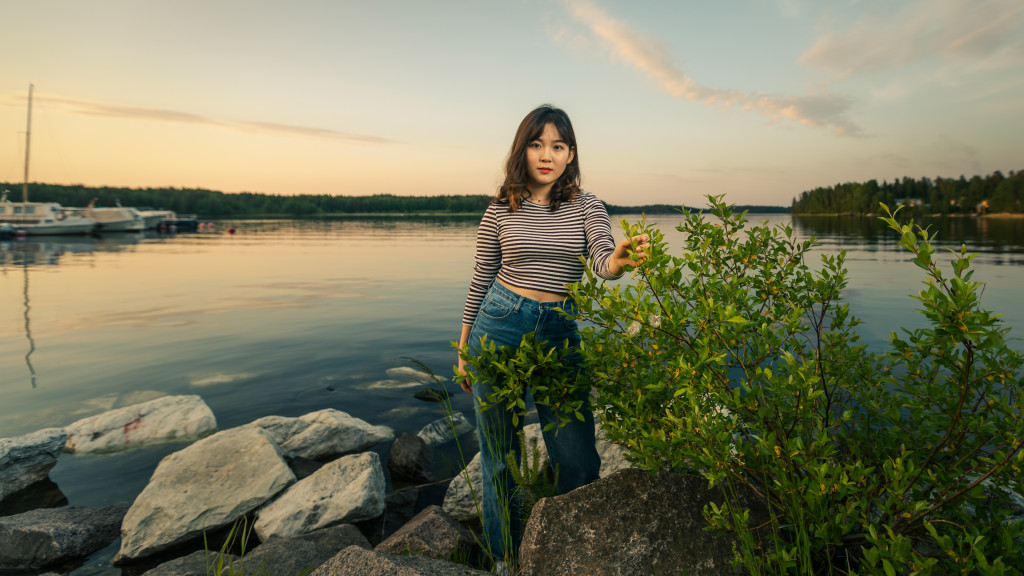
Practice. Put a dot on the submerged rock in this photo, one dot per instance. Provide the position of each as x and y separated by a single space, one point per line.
41 538
322 434
205 486
25 460
161 419
407 373
349 489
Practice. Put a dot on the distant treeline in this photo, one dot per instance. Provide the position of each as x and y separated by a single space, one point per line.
980 194
214 204
677 208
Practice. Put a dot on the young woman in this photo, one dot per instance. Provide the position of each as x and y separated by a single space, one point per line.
528 249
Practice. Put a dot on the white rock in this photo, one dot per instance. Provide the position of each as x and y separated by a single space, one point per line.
25 460
445 430
613 456
204 486
349 489
323 434
461 501
162 419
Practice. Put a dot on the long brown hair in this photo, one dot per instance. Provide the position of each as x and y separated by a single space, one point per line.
514 190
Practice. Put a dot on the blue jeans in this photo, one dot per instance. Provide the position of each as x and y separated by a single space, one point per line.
505 317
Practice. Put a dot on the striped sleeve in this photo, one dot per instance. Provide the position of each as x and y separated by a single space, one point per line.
600 243
488 262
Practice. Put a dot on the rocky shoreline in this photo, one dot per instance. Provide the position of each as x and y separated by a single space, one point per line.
314 492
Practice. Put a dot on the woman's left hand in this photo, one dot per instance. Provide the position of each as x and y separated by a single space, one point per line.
620 257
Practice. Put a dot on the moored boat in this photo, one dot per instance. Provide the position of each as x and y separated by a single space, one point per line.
115 219
152 218
43 218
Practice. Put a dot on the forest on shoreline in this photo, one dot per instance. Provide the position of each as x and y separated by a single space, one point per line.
214 204
990 194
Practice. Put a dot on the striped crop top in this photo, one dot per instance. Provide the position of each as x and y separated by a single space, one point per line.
538 249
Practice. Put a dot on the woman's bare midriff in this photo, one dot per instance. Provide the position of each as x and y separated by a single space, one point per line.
537 295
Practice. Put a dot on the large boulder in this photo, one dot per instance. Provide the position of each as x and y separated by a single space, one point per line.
322 434
293 554
349 489
161 419
431 533
356 561
46 537
445 430
632 522
25 460
205 486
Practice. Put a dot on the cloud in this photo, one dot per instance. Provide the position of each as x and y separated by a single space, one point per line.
977 33
651 56
130 112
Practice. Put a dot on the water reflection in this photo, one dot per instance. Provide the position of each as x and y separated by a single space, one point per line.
45 252
981 235
28 331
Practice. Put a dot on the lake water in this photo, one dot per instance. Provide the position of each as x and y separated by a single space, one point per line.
287 317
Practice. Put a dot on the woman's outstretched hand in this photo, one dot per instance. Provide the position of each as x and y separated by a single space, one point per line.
620 257
463 377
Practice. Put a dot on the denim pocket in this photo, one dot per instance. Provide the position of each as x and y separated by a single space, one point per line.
495 307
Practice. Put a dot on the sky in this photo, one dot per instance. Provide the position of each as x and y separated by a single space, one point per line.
671 101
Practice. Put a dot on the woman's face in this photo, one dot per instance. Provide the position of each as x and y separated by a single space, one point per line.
546 159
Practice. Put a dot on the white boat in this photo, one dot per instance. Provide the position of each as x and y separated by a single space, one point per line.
43 218
40 218
115 219
152 218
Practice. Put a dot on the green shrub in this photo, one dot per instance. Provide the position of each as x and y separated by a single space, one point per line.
738 361
544 369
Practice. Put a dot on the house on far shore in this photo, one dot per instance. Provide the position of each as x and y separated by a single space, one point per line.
982 207
911 202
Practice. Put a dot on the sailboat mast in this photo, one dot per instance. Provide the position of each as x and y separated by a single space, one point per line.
28 140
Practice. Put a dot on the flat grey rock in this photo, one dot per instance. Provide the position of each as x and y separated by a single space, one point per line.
292 555
194 564
431 533
356 561
25 460
45 537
